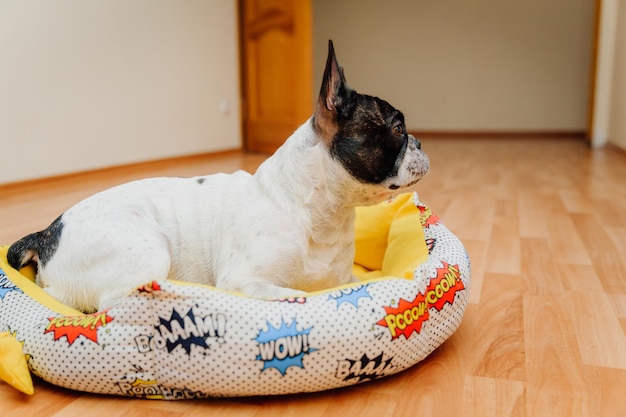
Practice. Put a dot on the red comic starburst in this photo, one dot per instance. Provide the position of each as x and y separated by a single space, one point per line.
427 218
71 327
444 286
407 318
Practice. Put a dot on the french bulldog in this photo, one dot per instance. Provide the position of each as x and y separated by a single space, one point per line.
284 231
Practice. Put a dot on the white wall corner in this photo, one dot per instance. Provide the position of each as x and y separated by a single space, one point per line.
604 72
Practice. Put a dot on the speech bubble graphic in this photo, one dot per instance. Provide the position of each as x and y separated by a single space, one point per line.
364 368
141 388
430 244
72 327
427 218
6 286
407 318
443 288
349 295
189 330
283 347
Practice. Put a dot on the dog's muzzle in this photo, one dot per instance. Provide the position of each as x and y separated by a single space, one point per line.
412 165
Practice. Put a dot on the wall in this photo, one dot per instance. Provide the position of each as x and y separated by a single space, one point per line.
617 121
90 84
454 65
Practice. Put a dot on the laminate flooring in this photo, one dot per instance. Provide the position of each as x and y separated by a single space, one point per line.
544 334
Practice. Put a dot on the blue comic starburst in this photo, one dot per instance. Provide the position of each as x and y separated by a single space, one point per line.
351 297
283 347
6 286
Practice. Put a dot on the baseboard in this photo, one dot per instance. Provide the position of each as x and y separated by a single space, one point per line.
120 169
614 149
498 134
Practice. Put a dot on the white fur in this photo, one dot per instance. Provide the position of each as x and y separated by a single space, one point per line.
289 226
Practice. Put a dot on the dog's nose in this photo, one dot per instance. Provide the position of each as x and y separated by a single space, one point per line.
417 142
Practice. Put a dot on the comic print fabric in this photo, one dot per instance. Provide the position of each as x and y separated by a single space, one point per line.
169 340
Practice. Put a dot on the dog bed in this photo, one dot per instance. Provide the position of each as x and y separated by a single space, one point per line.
170 340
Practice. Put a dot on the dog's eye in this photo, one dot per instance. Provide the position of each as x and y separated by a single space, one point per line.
397 130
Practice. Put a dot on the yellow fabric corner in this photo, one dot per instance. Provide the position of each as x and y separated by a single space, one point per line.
13 366
389 239
25 280
406 246
371 231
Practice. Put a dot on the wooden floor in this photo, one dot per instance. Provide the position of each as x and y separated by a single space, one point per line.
544 222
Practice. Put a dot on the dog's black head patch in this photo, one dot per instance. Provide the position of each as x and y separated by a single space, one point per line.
365 133
371 138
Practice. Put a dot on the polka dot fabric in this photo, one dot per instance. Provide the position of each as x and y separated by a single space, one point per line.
169 340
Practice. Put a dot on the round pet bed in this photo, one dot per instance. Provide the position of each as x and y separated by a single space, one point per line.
169 340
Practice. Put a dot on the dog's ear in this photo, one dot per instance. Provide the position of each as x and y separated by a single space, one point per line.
333 93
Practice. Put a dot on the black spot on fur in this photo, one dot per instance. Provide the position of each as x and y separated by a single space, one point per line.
200 180
41 244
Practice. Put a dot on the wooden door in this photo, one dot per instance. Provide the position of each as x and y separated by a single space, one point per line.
276 39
